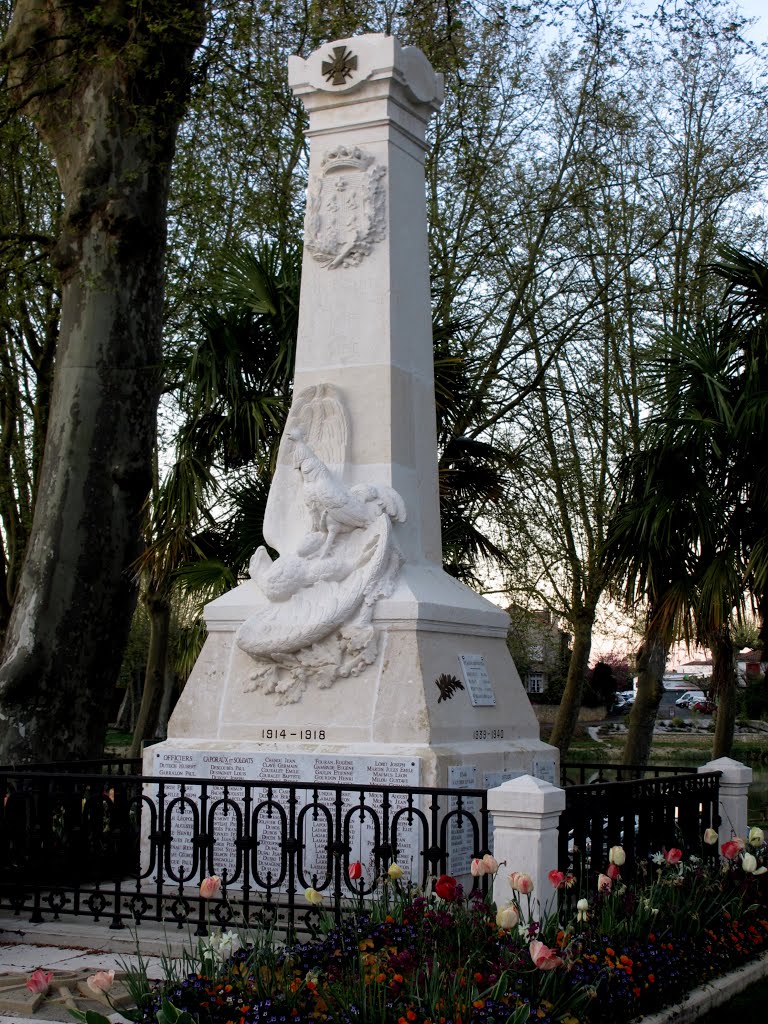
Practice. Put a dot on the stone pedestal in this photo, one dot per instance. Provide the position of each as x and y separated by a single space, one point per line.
355 642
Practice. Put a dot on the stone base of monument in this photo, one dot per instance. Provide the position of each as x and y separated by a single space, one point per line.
439 686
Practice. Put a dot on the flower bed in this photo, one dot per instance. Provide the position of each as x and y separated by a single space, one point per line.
445 958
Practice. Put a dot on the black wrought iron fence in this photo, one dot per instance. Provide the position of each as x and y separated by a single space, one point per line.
129 848
582 773
644 816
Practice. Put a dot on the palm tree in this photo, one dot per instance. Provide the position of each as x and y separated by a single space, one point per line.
674 542
746 299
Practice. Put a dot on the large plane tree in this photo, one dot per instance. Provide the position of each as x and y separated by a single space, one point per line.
105 83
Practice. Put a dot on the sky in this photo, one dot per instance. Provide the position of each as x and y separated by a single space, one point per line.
756 9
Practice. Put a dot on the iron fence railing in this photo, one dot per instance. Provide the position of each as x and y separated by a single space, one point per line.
131 848
644 816
578 773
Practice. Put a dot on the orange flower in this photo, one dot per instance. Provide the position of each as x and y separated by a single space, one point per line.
478 976
651 979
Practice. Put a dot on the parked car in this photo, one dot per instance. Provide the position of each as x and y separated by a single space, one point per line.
690 697
706 707
620 706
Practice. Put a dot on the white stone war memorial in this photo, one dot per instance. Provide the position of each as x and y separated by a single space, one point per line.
353 657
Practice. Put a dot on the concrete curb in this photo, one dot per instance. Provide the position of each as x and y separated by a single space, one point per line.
710 996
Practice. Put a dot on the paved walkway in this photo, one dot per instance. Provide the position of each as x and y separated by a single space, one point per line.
72 951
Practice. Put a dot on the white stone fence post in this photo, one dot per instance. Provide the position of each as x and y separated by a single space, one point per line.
525 813
734 790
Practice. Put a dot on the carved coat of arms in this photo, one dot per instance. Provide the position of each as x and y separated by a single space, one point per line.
346 207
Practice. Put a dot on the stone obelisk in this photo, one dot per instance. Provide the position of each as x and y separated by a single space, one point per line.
354 643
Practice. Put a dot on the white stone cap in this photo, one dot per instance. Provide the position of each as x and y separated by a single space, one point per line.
344 64
527 795
734 772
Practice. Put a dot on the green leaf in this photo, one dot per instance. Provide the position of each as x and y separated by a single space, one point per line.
168 1014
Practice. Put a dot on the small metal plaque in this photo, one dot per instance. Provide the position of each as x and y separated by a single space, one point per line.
478 681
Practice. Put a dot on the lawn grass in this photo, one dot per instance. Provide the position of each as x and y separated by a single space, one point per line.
668 748
117 743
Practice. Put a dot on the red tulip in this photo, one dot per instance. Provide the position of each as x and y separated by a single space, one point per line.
355 871
557 878
446 888
613 872
673 856
732 848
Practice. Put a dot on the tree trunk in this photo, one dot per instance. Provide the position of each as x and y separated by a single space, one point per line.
723 690
105 84
651 662
159 611
167 702
126 716
568 712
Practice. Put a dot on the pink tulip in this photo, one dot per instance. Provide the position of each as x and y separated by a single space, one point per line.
491 864
557 878
543 957
101 981
40 981
673 856
477 868
604 883
613 872
732 848
521 882
210 887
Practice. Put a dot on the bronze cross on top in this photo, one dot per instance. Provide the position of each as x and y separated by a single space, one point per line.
338 70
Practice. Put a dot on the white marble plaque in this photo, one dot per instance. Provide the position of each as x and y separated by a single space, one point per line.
461 840
478 681
544 769
270 820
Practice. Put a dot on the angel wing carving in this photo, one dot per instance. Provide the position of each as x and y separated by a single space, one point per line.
319 412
